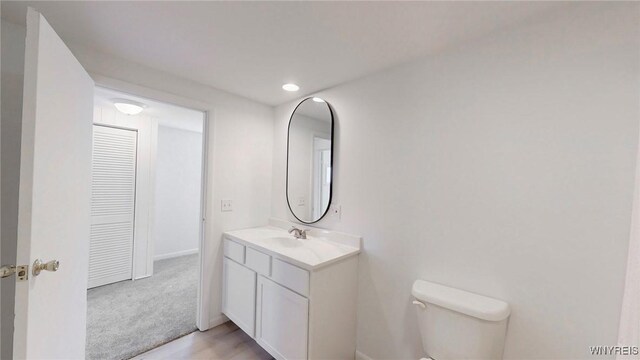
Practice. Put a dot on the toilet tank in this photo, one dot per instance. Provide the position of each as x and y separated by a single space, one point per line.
456 324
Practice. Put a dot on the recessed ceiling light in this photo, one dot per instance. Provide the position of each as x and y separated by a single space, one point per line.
291 87
318 100
128 107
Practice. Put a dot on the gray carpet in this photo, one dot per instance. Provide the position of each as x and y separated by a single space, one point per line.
130 317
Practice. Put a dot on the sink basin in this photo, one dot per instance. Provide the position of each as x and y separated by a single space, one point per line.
284 241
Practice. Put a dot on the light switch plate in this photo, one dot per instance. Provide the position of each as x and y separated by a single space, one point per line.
226 205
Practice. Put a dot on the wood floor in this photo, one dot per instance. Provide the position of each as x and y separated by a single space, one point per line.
226 342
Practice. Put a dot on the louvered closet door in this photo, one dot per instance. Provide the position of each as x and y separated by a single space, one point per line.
112 205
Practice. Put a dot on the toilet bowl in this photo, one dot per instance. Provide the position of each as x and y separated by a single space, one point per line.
456 324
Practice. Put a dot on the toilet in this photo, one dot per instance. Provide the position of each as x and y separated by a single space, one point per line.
456 324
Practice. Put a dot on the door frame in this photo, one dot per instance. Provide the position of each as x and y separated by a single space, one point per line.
203 321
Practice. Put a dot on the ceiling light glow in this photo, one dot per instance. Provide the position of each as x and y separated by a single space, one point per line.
128 107
290 87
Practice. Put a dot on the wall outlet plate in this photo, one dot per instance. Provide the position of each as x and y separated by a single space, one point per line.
226 205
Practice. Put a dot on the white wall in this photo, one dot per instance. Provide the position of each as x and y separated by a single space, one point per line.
12 66
239 151
504 167
178 180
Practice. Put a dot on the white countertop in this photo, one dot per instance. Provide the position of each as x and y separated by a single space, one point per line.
321 247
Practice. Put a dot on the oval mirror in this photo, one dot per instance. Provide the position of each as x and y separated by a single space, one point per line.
309 160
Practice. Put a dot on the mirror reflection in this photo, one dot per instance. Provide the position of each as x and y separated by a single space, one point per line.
309 160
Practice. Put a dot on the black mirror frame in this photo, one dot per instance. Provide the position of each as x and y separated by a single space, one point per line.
287 169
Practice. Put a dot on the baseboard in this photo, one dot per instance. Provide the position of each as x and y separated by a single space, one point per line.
218 320
175 254
361 356
141 277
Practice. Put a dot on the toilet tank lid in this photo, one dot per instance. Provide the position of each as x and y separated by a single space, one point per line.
478 306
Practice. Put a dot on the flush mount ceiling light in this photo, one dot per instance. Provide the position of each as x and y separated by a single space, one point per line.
318 100
290 87
128 107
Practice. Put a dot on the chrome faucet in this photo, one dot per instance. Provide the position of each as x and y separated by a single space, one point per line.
298 233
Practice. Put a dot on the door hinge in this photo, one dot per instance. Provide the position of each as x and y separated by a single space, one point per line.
21 271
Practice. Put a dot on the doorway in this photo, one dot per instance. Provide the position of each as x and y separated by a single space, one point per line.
146 225
321 175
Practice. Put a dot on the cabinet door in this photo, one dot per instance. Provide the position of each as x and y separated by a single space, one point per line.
282 321
239 295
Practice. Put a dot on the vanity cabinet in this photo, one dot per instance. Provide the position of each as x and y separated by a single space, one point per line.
292 312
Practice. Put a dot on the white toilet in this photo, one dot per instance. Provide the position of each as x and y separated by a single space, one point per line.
456 324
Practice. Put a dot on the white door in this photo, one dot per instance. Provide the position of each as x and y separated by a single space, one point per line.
113 194
282 321
55 185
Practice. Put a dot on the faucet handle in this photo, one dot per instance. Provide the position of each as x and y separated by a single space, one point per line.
298 233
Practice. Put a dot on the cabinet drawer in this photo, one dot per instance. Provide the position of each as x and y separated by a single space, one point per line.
258 261
291 276
234 251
